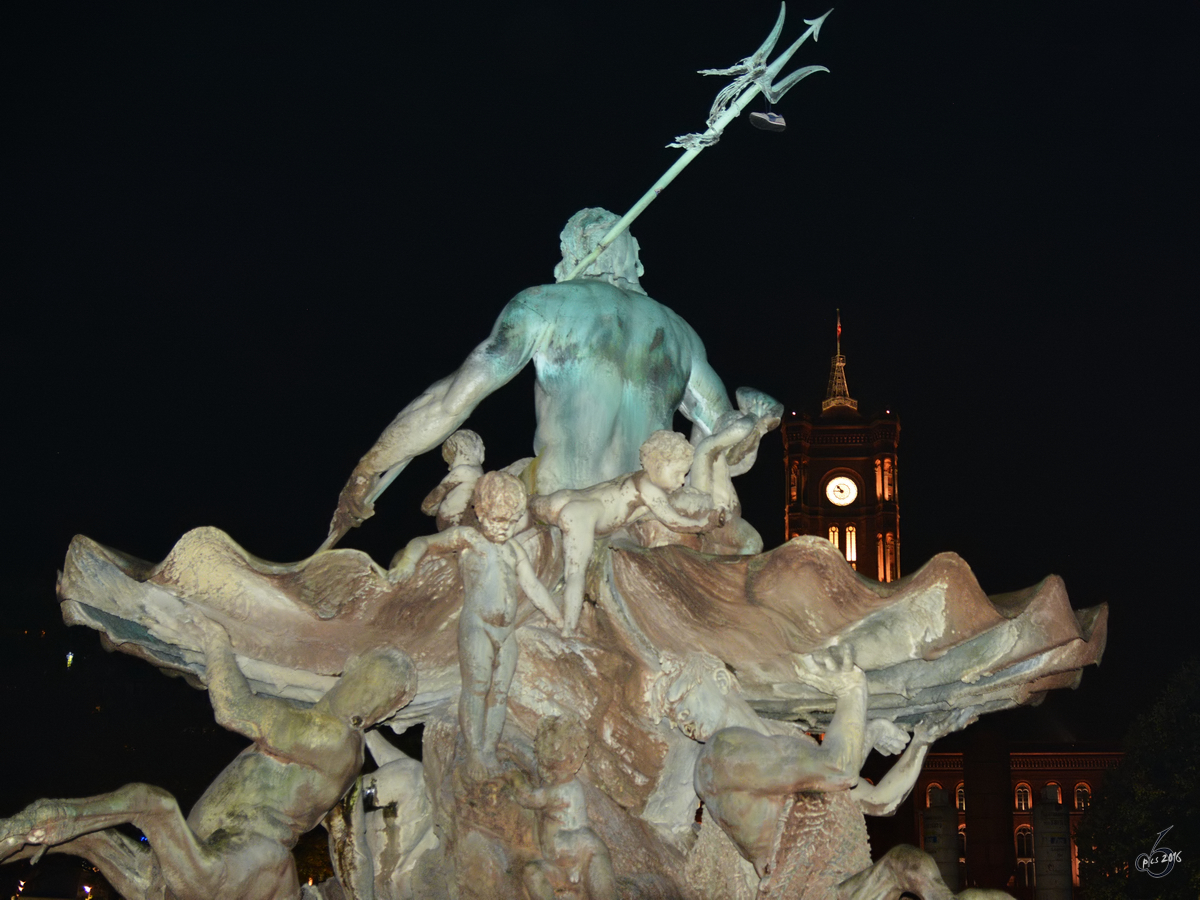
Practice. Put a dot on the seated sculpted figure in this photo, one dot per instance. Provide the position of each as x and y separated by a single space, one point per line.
450 501
583 515
493 569
573 856
748 773
237 841
613 366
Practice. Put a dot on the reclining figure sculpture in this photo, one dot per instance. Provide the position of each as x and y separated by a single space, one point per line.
237 841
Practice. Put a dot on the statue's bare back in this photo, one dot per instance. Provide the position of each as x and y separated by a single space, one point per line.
613 366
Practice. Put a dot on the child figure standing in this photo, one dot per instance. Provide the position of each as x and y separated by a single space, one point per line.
494 569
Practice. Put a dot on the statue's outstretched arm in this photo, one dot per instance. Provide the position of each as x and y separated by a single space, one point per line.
382 750
436 414
534 589
235 706
404 563
884 798
704 398
766 413
833 672
658 504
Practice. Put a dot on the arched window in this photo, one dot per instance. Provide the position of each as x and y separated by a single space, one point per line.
795 480
1024 842
852 546
890 554
962 844
833 535
1023 798
1053 792
878 479
879 564
1083 797
888 491
1026 876
933 786
960 798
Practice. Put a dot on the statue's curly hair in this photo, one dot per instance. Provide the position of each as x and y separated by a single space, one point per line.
499 494
663 447
681 675
462 441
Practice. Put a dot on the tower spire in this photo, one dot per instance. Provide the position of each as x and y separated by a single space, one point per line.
838 394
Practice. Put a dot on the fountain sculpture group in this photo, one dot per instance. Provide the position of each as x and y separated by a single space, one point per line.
617 685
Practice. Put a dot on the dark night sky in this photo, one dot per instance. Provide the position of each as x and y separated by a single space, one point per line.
239 238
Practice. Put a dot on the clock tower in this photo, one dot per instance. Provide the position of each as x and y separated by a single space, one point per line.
840 477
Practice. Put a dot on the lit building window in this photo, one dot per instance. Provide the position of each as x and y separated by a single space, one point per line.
887 480
795 480
833 535
933 786
1023 798
1083 797
879 553
890 557
878 480
852 546
1054 790
960 798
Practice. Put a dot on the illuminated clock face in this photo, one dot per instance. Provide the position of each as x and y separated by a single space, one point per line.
841 491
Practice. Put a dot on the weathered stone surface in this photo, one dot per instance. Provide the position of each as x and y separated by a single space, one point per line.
933 641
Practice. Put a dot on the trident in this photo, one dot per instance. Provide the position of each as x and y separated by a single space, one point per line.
753 76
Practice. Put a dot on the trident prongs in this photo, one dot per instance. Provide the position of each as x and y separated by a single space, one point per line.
753 76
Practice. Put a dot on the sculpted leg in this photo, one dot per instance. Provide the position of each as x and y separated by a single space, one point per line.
578 524
538 883
497 704
125 862
476 657
185 863
600 879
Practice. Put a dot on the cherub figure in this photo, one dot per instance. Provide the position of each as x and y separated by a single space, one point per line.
237 841
573 856
732 446
450 501
583 515
493 569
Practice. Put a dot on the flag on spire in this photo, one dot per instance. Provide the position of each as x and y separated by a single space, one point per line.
838 394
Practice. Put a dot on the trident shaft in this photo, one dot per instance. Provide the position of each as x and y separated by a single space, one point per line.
754 76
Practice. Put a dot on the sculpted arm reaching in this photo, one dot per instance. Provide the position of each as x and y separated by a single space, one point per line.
706 405
264 720
882 799
436 413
